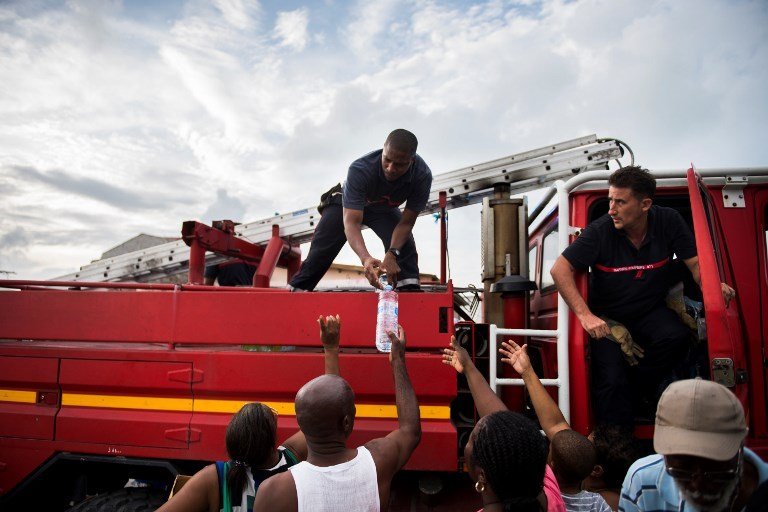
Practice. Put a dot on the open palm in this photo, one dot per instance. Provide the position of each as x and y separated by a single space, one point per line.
456 356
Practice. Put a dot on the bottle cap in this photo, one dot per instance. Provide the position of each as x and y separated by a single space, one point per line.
387 287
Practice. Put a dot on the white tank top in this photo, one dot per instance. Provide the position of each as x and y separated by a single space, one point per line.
350 486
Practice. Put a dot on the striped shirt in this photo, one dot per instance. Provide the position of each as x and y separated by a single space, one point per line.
585 501
647 486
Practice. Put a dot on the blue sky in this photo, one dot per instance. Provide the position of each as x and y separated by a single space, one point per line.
124 117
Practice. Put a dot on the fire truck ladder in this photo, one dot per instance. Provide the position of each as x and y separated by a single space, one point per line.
524 172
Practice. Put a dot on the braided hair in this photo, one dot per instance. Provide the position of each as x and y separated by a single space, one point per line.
250 438
513 453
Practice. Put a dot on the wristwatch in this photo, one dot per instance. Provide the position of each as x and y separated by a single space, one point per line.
394 251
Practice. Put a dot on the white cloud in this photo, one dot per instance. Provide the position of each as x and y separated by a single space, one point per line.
238 96
291 28
372 28
239 13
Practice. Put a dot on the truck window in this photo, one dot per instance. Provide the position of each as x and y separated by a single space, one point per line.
533 254
548 256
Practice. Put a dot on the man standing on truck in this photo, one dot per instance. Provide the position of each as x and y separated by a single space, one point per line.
376 185
630 250
335 477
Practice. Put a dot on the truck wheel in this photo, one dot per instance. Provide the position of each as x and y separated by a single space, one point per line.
130 499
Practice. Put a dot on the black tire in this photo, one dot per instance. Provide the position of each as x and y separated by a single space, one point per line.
130 499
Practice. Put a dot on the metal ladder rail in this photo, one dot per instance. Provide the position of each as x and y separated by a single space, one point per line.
563 374
525 171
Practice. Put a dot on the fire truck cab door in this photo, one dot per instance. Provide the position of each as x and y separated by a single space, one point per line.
724 330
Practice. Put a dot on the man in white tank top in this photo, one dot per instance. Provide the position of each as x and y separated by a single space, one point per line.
335 477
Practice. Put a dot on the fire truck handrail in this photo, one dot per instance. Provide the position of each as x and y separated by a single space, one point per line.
588 176
561 382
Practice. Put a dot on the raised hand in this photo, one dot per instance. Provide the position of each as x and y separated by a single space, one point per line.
330 331
398 344
456 356
515 356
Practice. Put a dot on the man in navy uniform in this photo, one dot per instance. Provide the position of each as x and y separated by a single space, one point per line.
630 251
376 185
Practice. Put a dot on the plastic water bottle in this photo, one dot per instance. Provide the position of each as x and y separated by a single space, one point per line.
386 316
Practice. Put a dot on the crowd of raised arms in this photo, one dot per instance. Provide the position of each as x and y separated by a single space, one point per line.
640 355
515 464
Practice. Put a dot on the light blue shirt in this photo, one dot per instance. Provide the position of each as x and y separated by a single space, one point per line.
647 486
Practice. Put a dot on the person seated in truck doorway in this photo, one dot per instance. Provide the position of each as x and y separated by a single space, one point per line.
629 250
376 185
701 463
233 272
251 440
336 477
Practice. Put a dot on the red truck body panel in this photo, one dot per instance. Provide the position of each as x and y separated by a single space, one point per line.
159 373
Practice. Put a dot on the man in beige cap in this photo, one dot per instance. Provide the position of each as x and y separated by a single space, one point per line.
702 463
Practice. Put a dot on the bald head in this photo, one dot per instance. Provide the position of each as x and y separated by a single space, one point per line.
322 405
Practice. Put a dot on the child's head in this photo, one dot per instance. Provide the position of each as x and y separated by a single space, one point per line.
572 457
616 450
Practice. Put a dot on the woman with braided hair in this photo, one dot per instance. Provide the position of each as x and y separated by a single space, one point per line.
507 455
251 441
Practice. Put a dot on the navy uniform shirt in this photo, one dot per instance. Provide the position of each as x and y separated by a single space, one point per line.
366 186
626 282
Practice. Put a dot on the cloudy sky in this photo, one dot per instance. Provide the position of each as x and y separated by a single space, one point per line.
122 117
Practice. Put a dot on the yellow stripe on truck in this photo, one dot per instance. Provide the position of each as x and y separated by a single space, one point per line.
21 397
428 412
126 402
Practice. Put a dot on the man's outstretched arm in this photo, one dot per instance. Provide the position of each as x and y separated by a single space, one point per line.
563 274
550 416
393 451
408 416
353 222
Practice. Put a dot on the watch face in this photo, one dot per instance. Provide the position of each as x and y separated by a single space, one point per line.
396 252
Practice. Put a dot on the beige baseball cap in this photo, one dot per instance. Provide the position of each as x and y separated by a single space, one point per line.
701 418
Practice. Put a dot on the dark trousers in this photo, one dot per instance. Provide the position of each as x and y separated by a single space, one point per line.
329 238
617 387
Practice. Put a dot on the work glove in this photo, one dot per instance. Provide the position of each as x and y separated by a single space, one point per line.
620 334
676 302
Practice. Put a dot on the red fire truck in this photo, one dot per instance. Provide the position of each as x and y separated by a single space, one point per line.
120 378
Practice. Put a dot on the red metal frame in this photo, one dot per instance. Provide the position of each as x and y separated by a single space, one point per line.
724 336
201 238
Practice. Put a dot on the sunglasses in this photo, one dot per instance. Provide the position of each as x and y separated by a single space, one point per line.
723 476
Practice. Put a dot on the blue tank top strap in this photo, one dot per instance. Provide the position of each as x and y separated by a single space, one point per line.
221 473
